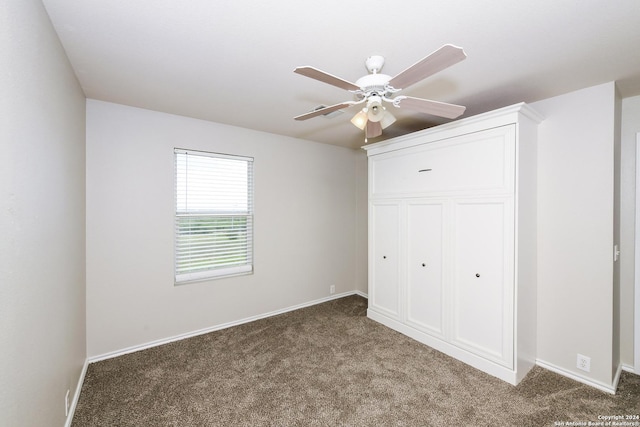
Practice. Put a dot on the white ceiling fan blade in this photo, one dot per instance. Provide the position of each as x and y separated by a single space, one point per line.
442 58
435 108
324 77
373 129
325 110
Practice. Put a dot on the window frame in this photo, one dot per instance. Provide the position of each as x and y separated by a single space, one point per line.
214 272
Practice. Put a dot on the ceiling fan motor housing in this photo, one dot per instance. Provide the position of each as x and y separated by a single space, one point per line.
373 84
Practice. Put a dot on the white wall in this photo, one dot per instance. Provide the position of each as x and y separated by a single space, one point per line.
42 220
630 127
575 226
305 226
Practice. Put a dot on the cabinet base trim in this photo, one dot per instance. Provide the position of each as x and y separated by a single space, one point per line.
500 372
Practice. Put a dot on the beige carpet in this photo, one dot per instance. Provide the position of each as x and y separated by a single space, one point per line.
327 365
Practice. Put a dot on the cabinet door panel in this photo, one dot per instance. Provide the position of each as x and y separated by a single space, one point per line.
483 279
478 161
384 258
425 266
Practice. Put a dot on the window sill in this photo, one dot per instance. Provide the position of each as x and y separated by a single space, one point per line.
222 273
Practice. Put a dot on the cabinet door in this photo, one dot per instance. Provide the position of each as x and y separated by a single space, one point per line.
425 237
483 279
479 161
384 258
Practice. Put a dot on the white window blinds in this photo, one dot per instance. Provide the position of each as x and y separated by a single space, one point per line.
214 215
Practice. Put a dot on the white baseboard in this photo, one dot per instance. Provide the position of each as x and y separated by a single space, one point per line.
214 328
362 294
629 368
76 394
609 388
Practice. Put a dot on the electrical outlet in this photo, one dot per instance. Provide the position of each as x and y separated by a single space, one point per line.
584 363
66 404
332 289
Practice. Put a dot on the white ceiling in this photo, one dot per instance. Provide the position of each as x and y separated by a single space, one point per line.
232 61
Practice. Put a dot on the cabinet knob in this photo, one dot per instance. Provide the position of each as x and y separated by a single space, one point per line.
424 265
384 257
477 274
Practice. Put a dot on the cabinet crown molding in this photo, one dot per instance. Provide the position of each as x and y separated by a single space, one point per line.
502 116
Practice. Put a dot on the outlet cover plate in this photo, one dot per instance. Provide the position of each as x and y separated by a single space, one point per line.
584 363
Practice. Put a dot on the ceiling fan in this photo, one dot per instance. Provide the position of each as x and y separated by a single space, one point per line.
374 89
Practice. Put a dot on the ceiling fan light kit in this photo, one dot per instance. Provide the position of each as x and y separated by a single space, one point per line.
360 119
375 89
374 107
387 120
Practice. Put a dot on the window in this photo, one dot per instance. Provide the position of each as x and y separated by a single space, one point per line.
214 215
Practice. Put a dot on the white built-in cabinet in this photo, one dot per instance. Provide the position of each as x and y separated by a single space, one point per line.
452 238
